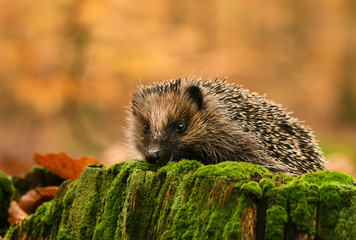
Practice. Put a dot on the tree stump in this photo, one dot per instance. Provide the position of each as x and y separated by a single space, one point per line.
188 200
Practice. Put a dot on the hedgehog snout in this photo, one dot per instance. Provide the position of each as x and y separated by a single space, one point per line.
152 155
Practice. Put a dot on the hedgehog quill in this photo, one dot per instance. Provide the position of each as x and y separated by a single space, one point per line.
213 121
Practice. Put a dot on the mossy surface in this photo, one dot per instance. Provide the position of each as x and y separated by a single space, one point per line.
38 177
187 200
6 191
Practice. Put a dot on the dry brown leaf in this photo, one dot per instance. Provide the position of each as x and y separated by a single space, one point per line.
16 213
35 197
47 192
63 165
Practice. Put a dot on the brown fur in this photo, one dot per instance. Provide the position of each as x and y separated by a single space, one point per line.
212 133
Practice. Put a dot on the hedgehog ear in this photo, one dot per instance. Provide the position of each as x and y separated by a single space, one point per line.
195 96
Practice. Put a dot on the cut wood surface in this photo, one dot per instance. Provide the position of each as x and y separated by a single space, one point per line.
187 200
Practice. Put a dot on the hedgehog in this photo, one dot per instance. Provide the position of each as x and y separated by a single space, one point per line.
212 121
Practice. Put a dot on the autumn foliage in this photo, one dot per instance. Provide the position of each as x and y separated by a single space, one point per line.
62 165
59 164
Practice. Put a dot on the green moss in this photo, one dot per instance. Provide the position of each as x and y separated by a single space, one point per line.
68 200
13 233
187 220
276 220
333 197
95 203
232 229
106 223
282 179
46 221
345 228
221 210
6 191
188 200
233 170
34 222
138 202
214 209
276 214
181 167
303 201
266 183
327 176
38 177
237 214
252 188
164 199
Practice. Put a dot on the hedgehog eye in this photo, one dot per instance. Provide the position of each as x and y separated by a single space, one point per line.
146 128
180 127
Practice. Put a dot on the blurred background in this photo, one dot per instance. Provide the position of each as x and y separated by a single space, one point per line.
67 67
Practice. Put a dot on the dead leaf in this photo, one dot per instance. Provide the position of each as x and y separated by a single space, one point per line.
62 165
47 192
16 213
35 197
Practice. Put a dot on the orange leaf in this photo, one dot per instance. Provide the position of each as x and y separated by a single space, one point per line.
62 165
47 192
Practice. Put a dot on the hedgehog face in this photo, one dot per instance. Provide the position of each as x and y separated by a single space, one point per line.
163 123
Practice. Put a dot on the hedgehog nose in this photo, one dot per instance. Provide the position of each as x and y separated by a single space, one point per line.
152 155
